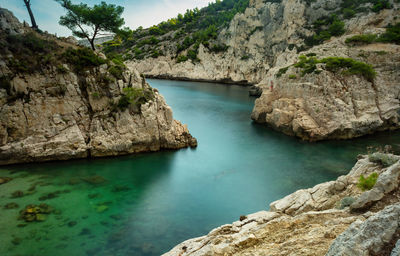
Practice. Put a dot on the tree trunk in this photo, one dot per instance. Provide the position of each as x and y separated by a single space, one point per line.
28 6
92 44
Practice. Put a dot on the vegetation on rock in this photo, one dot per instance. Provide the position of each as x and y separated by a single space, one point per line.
392 35
134 96
186 32
367 183
348 66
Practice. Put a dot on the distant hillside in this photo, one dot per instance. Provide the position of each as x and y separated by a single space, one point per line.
97 41
182 35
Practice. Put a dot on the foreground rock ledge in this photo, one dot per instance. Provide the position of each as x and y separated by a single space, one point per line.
316 221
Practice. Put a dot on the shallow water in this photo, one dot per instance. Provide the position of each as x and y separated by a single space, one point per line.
150 202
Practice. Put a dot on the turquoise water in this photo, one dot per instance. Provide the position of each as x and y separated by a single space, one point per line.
145 204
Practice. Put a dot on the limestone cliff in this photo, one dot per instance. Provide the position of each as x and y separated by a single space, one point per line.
270 36
333 218
334 105
55 107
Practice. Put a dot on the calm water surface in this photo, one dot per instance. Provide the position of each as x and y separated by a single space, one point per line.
150 202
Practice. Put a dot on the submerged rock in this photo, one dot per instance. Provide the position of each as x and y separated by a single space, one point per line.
17 194
11 206
4 180
72 223
16 241
49 196
33 212
120 188
95 180
74 181
102 208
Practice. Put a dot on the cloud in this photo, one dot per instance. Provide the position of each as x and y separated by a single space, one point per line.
137 12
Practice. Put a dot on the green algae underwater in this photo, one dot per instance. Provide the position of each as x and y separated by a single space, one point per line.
147 203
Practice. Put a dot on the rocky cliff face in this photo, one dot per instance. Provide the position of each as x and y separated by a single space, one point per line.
270 36
333 105
333 218
58 112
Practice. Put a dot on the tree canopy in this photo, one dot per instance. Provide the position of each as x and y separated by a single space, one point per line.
89 22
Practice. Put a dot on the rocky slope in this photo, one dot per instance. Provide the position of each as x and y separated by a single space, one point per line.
272 35
333 218
53 107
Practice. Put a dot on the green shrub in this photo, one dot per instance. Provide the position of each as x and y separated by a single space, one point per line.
337 28
117 71
308 65
219 48
82 58
367 183
282 71
292 76
134 96
361 39
392 35
380 5
245 57
383 159
348 13
181 58
352 67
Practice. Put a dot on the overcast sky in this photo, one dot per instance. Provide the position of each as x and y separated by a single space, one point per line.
137 12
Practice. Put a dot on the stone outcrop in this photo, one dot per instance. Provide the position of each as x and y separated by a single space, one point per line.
58 113
368 237
270 35
328 105
315 221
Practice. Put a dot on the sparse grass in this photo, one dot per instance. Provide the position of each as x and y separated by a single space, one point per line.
367 183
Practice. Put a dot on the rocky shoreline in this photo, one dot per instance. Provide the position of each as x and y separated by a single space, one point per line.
59 111
269 38
219 81
332 218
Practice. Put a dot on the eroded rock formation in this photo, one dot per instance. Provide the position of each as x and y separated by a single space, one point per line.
316 221
58 112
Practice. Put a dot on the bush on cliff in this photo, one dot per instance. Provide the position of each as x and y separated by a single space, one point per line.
348 66
392 34
135 96
367 183
361 39
82 59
